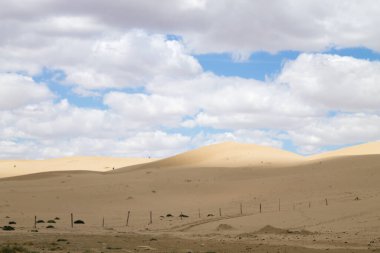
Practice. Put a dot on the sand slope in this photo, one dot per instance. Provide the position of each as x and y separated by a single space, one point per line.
231 154
10 168
372 148
215 180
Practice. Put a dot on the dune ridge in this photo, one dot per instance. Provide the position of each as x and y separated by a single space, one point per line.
10 168
231 154
326 202
226 155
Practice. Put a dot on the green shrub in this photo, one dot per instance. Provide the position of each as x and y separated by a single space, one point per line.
8 228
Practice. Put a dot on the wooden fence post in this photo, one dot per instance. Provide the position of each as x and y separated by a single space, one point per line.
72 220
35 221
260 207
103 222
326 202
241 208
220 211
151 218
128 218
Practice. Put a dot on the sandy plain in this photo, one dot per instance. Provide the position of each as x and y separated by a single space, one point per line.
233 198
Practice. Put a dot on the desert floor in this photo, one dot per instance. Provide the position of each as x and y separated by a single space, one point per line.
235 198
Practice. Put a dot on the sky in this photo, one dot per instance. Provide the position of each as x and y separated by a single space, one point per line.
142 78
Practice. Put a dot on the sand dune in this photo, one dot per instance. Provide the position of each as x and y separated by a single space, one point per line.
324 202
372 148
10 168
228 154
231 154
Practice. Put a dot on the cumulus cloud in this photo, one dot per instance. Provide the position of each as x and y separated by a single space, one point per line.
109 60
219 25
334 82
105 48
17 91
343 129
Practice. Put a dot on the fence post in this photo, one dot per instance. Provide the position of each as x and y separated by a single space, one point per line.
241 208
260 207
72 220
220 211
151 218
128 218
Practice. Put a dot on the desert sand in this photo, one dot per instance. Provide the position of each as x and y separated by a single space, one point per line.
233 197
9 168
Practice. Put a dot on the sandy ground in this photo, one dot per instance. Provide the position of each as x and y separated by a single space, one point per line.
9 168
307 204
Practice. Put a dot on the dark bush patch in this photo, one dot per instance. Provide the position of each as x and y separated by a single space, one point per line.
51 221
183 215
40 221
56 218
210 215
78 222
12 223
13 249
8 228
50 226
169 215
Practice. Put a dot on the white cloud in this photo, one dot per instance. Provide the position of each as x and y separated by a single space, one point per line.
103 47
152 110
59 129
17 91
340 130
259 137
207 26
107 60
334 82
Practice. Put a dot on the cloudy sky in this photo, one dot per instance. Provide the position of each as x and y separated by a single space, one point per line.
155 78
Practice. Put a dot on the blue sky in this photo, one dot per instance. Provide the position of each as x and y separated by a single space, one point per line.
76 81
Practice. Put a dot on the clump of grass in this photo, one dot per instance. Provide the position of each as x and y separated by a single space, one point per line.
51 221
8 228
12 223
40 221
50 226
78 222
13 249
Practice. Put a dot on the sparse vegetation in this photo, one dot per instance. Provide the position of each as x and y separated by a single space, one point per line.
78 222
8 228
13 249
40 221
51 221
